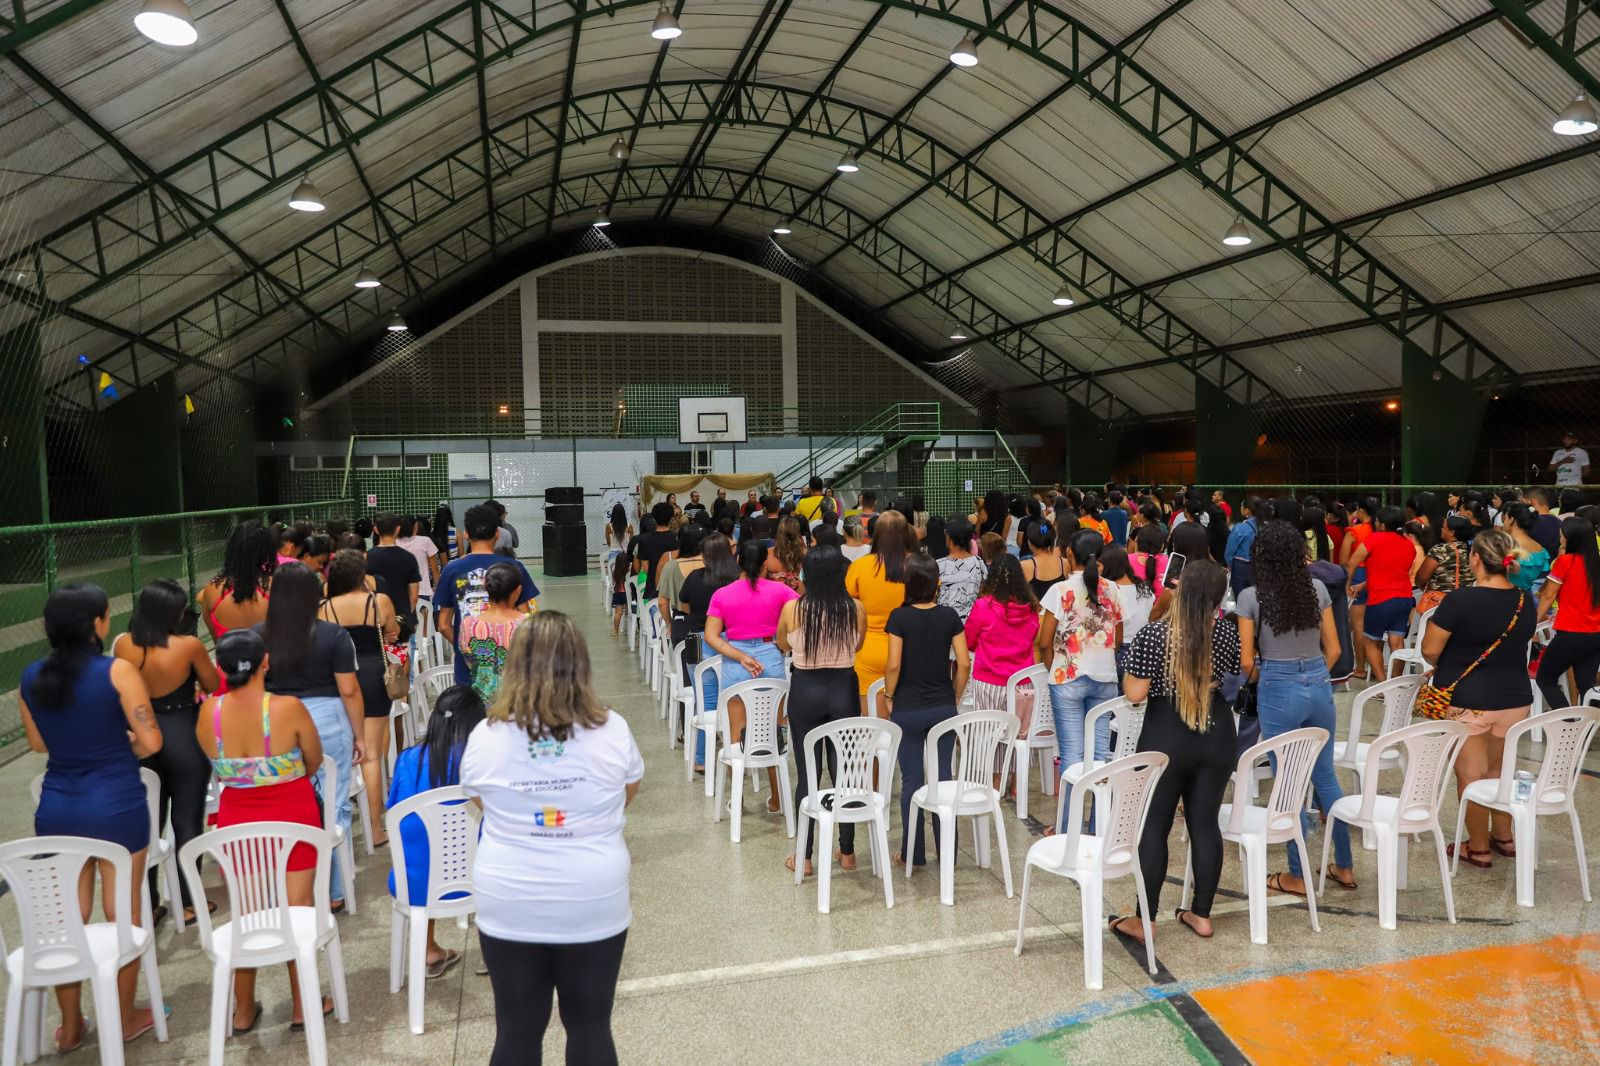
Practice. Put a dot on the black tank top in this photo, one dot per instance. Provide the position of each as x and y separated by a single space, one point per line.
1040 585
365 636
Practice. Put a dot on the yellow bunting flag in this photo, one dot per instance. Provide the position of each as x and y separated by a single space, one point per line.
188 404
105 381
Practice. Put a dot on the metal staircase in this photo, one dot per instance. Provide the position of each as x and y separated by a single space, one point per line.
896 428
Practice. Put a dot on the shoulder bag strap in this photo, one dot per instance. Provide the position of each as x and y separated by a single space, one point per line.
1521 601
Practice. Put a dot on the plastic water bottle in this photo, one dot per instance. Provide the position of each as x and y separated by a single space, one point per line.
1524 786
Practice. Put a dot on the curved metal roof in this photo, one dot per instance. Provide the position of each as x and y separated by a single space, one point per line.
1393 161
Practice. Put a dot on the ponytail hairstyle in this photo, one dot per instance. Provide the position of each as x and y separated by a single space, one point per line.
1579 536
1493 547
1522 515
1042 536
1006 584
502 584
70 615
1315 522
1115 565
456 712
1150 541
1086 546
157 613
240 655
752 559
1190 626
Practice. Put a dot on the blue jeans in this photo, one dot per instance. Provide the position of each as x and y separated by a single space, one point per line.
1293 695
915 725
338 747
764 652
1070 704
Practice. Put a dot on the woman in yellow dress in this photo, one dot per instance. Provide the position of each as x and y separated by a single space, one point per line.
877 579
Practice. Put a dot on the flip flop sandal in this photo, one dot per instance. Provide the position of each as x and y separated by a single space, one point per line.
189 912
300 1027
440 967
255 1020
1179 913
158 914
1508 848
1114 923
83 1034
1275 884
1347 885
1470 856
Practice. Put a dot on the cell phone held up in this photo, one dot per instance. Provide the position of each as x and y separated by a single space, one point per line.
1175 563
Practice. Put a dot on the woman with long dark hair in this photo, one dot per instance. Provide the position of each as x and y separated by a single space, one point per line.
1573 587
369 618
1178 664
1136 593
822 630
555 771
718 568
90 715
1532 558
878 580
1001 630
179 668
435 762
1289 641
237 597
1044 566
1079 632
1314 523
1446 567
994 515
444 533
315 662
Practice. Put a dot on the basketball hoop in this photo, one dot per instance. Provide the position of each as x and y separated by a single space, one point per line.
703 455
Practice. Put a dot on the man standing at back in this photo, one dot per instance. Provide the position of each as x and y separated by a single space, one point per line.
809 506
506 541
398 568
461 592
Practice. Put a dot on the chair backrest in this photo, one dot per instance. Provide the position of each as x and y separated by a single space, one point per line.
1294 757
1397 694
652 615
1430 749
1036 676
329 772
1125 786
632 594
424 618
980 736
856 744
1420 631
1129 722
451 824
43 874
703 669
874 691
253 859
1567 736
430 683
763 705
152 800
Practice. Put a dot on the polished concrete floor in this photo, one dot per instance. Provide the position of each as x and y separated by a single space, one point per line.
729 962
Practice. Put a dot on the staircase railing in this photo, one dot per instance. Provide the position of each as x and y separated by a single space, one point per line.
900 418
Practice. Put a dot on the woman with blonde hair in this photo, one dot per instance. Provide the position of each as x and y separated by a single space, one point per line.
554 771
1178 664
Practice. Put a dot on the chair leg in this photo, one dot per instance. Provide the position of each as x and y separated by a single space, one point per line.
366 820
1145 918
418 967
786 798
1388 858
711 763
981 844
152 984
736 806
1311 897
108 1010
1368 841
714 768
1402 861
34 1010
311 1006
1577 845
347 871
1526 824
1449 889
912 835
221 1001
880 863
1024 756
1185 896
1327 849
341 994
1022 908
1254 850
14 1015
397 947
947 858
1093 934
800 839
1000 837
824 864
1461 828
169 885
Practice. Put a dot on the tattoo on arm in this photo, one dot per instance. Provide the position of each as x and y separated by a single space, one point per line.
142 715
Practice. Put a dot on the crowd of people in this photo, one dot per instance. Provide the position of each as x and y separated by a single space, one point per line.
311 635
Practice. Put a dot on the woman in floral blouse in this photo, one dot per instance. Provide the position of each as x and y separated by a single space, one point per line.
1079 633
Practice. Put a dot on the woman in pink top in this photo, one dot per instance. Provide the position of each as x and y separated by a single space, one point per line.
1001 631
823 629
741 626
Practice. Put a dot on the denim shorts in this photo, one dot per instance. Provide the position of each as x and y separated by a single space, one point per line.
1390 616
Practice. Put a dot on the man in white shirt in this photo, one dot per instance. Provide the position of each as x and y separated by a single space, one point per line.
1570 462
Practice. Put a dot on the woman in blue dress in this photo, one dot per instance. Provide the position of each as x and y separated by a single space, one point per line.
91 716
434 763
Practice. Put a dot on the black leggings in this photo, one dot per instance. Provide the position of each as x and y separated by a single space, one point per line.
1197 773
817 697
524 975
185 772
1578 651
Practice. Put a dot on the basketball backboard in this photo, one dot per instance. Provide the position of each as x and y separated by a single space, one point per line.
711 419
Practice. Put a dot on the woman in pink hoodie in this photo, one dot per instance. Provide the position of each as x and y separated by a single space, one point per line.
1000 634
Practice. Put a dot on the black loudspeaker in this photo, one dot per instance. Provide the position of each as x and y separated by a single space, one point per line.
564 495
566 552
564 514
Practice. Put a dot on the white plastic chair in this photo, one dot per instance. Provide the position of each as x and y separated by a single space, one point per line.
699 720
1410 654
673 706
264 929
631 620
425 627
1124 787
764 699
1041 737
980 736
1128 718
424 691
59 947
451 825
1430 751
162 854
361 809
886 757
1397 694
1255 829
399 722
649 623
1568 734
851 797
329 774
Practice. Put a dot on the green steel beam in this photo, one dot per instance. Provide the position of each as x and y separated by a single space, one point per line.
478 32
22 21
1557 28
645 108
564 128
1254 130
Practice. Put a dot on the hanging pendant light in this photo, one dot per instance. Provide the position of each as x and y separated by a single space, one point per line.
959 333
601 221
619 150
782 229
396 323
847 164
1062 298
306 197
665 27
167 22
965 54
366 279
1238 234
1577 118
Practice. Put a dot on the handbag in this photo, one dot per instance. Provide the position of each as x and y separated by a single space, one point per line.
1435 597
396 671
1434 702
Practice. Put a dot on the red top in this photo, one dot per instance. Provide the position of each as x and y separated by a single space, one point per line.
1577 613
1389 559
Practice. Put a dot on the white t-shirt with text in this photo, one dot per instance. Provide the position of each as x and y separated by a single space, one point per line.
1569 464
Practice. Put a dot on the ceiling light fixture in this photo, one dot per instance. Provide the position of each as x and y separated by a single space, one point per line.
396 323
1392 405
1238 234
1577 118
665 27
600 219
847 164
167 22
965 53
1062 298
306 197
366 279
782 228
619 150
959 333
